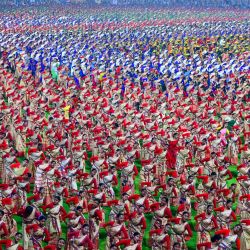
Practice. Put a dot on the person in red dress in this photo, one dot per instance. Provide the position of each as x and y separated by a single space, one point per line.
81 240
3 227
38 233
60 245
12 244
55 213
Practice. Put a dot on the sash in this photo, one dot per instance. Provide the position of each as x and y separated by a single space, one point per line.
136 221
133 247
179 229
115 230
128 170
14 247
77 242
140 201
55 210
37 238
160 212
207 223
225 214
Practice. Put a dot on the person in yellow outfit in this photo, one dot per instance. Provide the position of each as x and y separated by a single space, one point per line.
66 110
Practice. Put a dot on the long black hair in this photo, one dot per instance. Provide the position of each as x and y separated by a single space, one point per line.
28 211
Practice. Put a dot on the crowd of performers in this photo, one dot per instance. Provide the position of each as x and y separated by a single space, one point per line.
130 122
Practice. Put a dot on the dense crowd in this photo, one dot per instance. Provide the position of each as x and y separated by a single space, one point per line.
122 127
143 3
